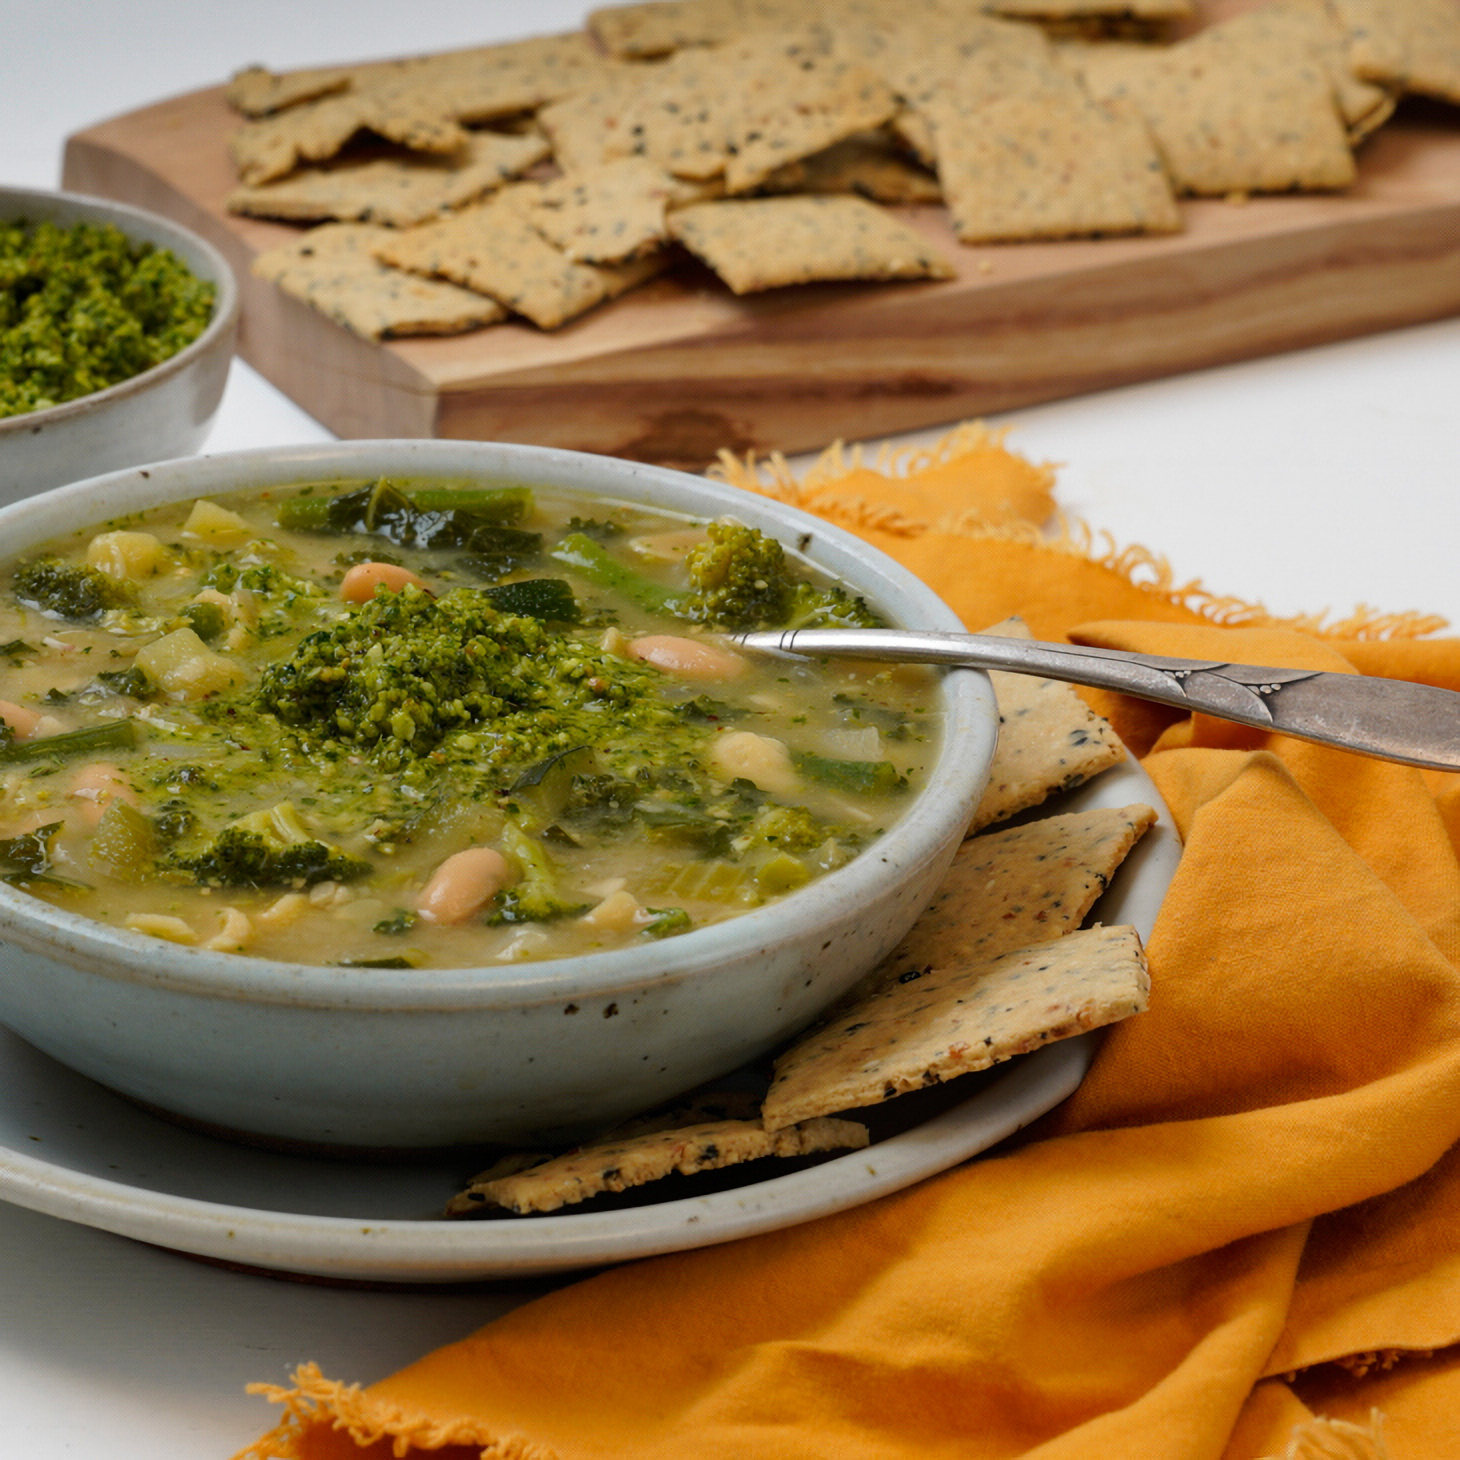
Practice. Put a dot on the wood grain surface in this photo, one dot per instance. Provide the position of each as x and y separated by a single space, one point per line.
681 368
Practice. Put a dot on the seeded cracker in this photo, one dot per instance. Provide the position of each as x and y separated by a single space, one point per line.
1410 45
872 165
1049 740
316 131
491 247
592 125
948 1022
256 91
1242 106
763 243
607 214
1053 164
657 27
1096 17
931 56
789 99
332 268
635 1160
1016 888
395 190
678 116
488 83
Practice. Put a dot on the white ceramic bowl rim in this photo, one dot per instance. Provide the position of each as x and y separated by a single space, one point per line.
968 723
37 205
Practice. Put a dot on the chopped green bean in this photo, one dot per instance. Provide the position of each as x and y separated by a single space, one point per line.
109 735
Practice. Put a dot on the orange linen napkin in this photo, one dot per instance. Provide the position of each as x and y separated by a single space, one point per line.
1239 1238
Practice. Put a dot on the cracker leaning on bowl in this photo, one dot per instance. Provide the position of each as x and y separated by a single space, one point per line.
999 941
937 1024
1049 740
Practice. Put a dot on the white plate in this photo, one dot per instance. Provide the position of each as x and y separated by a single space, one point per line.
76 1151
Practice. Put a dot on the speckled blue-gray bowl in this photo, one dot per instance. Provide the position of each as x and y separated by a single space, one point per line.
163 412
383 1058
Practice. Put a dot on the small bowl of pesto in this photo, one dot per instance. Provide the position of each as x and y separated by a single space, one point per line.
117 329
392 795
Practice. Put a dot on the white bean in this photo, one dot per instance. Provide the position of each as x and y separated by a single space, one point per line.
360 583
690 659
463 884
20 719
94 787
758 758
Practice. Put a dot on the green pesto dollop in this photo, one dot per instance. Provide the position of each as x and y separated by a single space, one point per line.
406 675
83 307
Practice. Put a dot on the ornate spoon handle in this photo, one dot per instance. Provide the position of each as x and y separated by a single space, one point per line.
1392 719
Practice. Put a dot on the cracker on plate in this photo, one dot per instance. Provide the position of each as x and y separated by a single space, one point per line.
936 1024
1049 740
492 248
1244 105
399 189
1016 887
333 269
763 243
616 1165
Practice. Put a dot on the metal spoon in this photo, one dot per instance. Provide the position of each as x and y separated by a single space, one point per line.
1391 719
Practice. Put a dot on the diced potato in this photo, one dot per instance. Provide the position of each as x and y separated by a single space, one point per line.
216 526
126 555
618 912
124 842
185 667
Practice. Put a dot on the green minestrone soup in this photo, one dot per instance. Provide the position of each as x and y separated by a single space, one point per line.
400 723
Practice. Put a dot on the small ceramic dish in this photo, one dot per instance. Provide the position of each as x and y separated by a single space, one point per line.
164 412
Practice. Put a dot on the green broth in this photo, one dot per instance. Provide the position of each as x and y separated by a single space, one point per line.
230 743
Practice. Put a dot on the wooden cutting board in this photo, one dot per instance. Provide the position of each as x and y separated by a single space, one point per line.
681 368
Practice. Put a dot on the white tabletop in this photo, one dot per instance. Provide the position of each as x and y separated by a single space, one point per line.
1315 481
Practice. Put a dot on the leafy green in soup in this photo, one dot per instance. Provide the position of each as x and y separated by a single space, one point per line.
398 723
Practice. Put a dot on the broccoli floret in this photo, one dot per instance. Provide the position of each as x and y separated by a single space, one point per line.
784 828
832 607
67 590
666 922
537 896
738 577
267 849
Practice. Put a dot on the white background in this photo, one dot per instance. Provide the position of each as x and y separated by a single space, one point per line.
1319 480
